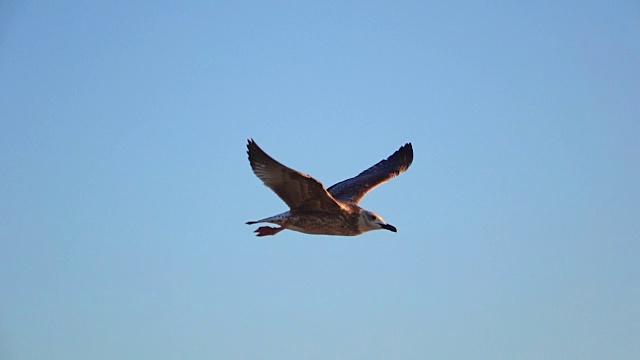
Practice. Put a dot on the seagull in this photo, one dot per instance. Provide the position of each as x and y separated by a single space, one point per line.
316 210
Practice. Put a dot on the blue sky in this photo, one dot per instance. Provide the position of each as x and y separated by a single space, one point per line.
124 183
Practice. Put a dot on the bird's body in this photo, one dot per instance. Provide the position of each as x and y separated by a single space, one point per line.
316 210
319 223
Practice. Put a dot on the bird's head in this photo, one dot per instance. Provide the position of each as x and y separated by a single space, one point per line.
368 221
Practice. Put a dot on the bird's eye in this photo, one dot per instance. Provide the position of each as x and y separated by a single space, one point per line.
372 217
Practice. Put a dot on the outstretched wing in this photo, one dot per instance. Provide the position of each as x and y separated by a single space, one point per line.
354 189
298 190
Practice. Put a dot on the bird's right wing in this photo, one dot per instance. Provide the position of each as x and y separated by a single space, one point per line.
354 189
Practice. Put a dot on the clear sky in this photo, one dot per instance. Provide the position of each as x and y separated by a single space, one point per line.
124 182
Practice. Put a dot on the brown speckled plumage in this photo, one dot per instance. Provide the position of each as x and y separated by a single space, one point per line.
316 210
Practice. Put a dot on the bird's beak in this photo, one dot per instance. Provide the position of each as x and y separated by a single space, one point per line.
389 227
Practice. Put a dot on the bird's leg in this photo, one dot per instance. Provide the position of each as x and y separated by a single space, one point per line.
268 230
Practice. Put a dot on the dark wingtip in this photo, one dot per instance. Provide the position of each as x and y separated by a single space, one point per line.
407 152
252 148
250 143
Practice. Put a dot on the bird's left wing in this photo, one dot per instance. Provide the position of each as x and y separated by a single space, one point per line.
298 190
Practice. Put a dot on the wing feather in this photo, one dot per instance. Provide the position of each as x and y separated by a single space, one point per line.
299 191
354 189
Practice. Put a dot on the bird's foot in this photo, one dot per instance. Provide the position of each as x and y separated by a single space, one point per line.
268 230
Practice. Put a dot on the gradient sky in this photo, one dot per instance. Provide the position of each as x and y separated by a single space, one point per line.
124 183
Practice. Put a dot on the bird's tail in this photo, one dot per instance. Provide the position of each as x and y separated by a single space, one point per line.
276 219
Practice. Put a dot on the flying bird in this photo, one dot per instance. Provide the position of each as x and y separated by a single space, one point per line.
316 210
